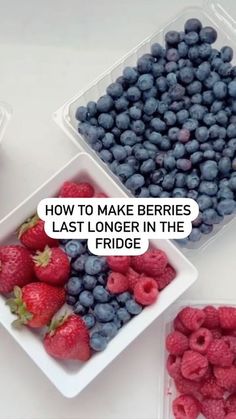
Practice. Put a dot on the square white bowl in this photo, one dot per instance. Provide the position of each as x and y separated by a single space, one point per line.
71 378
167 388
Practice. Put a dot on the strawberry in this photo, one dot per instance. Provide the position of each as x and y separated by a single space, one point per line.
52 266
36 303
68 338
32 234
16 267
76 190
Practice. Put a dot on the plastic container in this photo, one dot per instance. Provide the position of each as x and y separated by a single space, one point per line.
168 391
212 13
71 378
5 115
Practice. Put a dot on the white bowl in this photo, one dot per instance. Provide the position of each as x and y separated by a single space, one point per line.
70 378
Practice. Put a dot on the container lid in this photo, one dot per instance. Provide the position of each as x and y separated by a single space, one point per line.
5 115
225 12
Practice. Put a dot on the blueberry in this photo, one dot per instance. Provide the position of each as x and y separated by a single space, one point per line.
161 84
123 297
71 300
98 342
133 94
195 235
178 151
74 285
165 194
177 92
224 165
172 37
225 193
138 127
124 171
135 112
130 74
197 98
81 113
157 176
74 248
191 38
155 138
196 157
144 65
226 53
79 263
203 71
183 164
128 137
202 134
231 130
218 145
165 144
118 152
121 104
133 307
135 182
206 228
150 106
169 162
193 53
106 120
172 55
208 97
179 193
144 193
226 207
173 133
210 216
155 190
194 87
192 24
104 312
122 121
145 82
180 180
116 132
157 69
192 146
108 140
208 34
147 166
115 90
123 315
192 181
108 330
86 298
232 183
220 90
162 107
106 156
92 108
204 202
182 116
158 125
141 154
169 118
171 78
208 188
95 265
183 49
157 50
193 194
211 79
209 170
89 282
169 181
115 304
104 103
89 320
101 294
79 309
232 88
190 124
225 69
204 50
89 132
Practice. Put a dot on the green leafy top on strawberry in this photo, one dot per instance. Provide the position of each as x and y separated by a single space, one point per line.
33 236
52 266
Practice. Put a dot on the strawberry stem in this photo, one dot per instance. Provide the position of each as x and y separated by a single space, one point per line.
43 258
29 223
18 307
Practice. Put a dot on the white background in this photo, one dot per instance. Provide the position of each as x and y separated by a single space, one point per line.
49 50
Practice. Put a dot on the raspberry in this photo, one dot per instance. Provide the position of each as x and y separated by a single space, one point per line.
146 291
117 283
76 190
178 325
213 409
226 377
166 277
230 416
133 278
200 340
173 366
192 318
187 386
231 403
211 389
186 406
212 317
216 333
219 353
119 263
231 343
152 263
194 365
176 343
227 317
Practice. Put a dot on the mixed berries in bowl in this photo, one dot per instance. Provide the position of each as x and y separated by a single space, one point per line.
201 363
99 295
167 126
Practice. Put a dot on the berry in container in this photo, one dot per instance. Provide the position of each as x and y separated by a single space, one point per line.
162 120
71 377
199 372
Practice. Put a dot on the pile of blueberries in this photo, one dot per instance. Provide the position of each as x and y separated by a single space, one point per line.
103 313
167 127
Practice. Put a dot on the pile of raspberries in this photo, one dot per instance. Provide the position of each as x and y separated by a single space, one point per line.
202 362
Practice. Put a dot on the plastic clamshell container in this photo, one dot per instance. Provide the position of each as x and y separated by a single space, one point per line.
71 378
168 392
5 115
212 13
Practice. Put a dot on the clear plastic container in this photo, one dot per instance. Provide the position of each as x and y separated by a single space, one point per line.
71 378
5 115
215 13
168 391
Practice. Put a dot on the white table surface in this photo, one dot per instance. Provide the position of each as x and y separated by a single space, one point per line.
49 50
